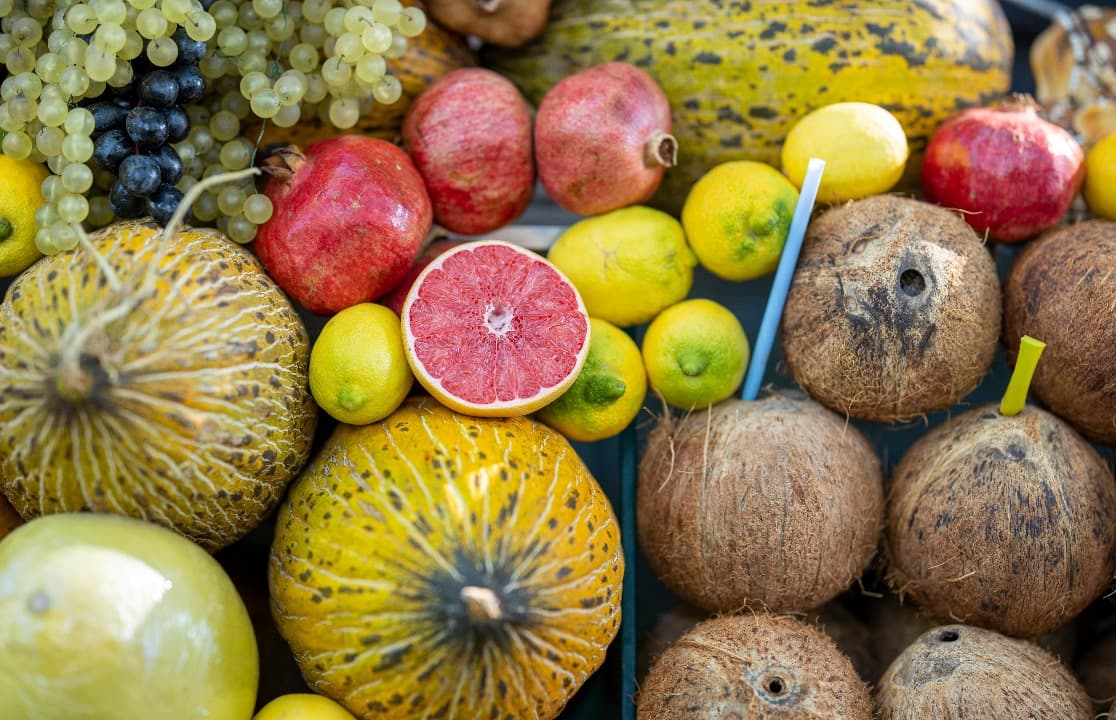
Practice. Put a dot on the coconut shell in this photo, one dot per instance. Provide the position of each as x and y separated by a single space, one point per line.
753 667
1004 522
893 311
1097 669
956 672
1062 290
773 504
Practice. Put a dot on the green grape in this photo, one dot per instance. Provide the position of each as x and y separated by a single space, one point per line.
280 28
16 145
290 87
122 76
6 44
27 32
265 103
312 34
236 155
52 188
81 19
99 64
185 153
96 88
176 10
267 8
79 121
77 148
388 90
75 51
103 179
49 67
200 138
412 22
27 83
141 4
253 82
349 47
110 11
334 22
46 215
133 46
336 73
356 18
258 209
251 62
232 41
162 51
214 66
240 230
73 207
65 237
74 81
198 114
344 112
206 209
314 11
44 242
387 11
231 200
370 69
49 141
398 47
258 42
22 108
5 7
287 116
316 88
303 57
77 178
185 183
224 126
20 59
8 89
200 26
56 163
110 38
52 112
40 9
236 103
151 23
224 13
7 122
248 19
100 212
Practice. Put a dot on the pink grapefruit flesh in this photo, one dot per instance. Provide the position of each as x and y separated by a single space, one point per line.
493 329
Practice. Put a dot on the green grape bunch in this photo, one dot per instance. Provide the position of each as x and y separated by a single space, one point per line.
132 102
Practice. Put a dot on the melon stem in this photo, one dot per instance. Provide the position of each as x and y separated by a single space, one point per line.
481 603
661 149
75 381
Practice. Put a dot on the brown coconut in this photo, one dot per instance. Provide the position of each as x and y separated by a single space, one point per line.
1004 522
1097 669
1062 290
753 666
893 311
956 672
772 504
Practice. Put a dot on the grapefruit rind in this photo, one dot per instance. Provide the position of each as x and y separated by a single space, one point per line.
497 408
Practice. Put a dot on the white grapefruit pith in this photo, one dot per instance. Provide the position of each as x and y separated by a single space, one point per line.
493 329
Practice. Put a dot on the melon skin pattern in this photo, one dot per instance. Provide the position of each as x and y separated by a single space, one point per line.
740 74
172 388
441 565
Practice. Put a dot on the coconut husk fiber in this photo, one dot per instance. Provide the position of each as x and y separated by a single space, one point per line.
894 310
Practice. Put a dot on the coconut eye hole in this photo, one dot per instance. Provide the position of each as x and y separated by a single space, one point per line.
775 685
911 282
948 636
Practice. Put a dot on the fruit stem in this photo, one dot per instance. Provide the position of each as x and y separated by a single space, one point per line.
5 229
1018 102
78 376
661 149
487 6
481 603
1015 397
283 163
194 193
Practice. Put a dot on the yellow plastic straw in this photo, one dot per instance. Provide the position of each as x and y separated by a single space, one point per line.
1015 397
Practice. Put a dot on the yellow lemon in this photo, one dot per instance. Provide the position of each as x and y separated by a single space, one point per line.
863 145
609 390
303 706
627 264
736 219
695 353
1100 178
358 370
20 197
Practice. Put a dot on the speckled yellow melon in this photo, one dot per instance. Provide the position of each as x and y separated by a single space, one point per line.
436 565
161 379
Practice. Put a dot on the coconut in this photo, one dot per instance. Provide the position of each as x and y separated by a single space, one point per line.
753 666
1097 669
958 671
894 310
1060 290
772 504
1007 522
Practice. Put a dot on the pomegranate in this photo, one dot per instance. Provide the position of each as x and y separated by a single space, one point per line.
1013 173
351 214
602 139
469 134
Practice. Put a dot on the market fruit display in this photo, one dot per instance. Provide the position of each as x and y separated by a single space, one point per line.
493 329
893 311
602 139
1032 504
437 562
1011 173
753 665
958 671
351 214
109 617
19 203
774 504
469 135
161 377
726 66
1060 289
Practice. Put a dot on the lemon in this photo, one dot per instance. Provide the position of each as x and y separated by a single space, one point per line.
608 392
627 264
736 219
863 146
358 370
695 353
1100 178
20 196
303 706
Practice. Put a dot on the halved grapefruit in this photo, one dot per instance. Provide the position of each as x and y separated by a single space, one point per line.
493 329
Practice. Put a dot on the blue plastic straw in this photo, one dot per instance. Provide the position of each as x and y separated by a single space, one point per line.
783 274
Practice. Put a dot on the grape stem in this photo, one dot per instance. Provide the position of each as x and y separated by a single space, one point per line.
174 224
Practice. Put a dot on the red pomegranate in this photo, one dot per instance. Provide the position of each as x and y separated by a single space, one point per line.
1013 173
469 134
351 214
602 139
